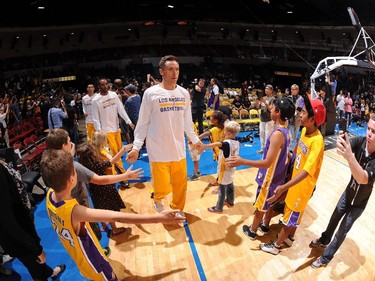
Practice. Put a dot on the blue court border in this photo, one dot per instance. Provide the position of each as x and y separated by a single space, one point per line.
193 249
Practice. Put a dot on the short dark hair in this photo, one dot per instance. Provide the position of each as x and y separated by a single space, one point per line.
164 59
308 106
56 138
56 102
286 107
56 168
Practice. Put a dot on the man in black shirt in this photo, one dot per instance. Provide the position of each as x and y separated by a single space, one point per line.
18 235
360 153
69 124
197 105
226 110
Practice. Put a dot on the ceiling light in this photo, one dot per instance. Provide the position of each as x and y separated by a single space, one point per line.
170 6
289 12
41 8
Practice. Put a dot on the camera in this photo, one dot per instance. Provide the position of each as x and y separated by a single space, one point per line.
343 125
260 94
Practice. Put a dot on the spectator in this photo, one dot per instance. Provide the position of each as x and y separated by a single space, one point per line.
266 124
56 115
18 235
132 106
70 123
197 105
214 99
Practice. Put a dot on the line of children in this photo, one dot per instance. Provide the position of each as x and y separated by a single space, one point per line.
71 220
307 165
272 167
103 196
58 139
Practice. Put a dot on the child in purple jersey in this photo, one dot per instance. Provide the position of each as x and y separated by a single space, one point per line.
272 168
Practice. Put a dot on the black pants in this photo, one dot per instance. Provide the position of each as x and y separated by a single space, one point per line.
197 114
39 272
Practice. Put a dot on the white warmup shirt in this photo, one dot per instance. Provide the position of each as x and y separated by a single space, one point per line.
105 111
164 117
87 107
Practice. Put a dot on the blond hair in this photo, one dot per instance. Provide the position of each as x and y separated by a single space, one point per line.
232 127
99 140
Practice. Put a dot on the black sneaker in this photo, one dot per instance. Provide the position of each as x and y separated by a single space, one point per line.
263 228
247 230
124 185
316 243
62 269
194 177
107 251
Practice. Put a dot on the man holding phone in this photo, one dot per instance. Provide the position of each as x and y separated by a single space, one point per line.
360 154
56 114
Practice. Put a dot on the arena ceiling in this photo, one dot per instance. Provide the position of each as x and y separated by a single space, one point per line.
31 13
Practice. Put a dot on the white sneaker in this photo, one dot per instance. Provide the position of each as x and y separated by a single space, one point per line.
158 206
7 258
180 214
270 248
289 241
318 263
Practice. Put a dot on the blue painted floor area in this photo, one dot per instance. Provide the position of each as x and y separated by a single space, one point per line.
57 255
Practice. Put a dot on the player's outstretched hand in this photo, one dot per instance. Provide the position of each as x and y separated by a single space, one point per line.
171 217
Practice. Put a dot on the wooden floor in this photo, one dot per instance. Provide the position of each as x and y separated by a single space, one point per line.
158 252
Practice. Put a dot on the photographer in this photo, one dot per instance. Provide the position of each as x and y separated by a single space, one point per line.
360 154
57 114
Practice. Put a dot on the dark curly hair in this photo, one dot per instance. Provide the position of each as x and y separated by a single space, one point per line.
221 117
87 155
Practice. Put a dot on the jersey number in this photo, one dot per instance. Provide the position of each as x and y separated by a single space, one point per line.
298 161
64 233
